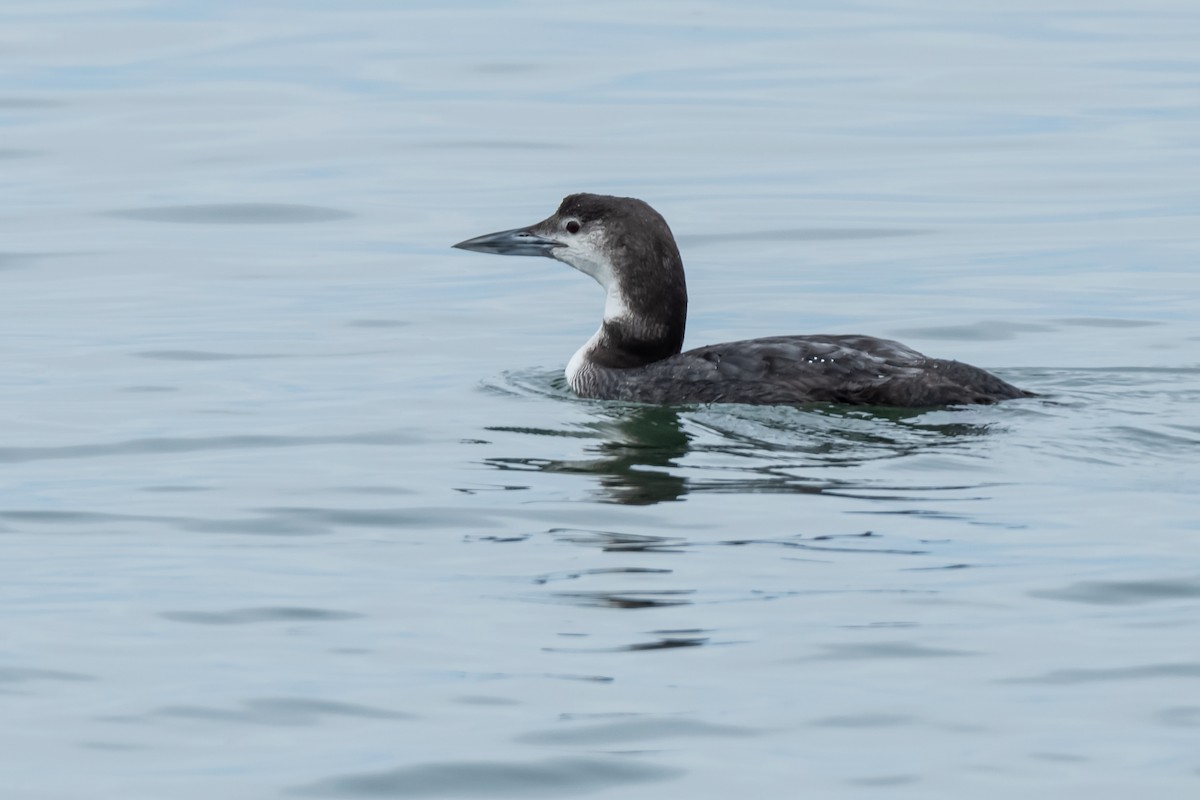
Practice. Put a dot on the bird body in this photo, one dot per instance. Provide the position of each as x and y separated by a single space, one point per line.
636 354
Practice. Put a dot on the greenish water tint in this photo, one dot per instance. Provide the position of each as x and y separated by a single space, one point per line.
294 500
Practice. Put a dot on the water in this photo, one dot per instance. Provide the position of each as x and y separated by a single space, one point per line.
294 502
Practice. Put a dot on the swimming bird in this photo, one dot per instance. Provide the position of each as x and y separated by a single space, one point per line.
636 354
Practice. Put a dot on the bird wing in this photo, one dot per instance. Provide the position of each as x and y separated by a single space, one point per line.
805 369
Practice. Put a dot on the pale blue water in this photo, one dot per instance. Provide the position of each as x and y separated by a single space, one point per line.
293 501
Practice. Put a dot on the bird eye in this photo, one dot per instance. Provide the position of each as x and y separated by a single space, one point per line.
572 226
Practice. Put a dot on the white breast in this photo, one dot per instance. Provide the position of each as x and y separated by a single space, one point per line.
580 363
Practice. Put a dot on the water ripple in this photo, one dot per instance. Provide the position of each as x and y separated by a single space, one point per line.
874 650
1113 593
284 711
23 674
635 730
158 446
1069 677
245 616
552 777
235 214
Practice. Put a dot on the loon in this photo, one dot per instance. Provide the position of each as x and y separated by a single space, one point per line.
636 354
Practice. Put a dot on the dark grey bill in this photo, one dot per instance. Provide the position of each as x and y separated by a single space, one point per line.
517 242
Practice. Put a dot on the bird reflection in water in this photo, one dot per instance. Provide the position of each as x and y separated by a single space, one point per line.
636 450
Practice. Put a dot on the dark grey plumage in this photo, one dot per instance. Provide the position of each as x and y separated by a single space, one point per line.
783 370
635 355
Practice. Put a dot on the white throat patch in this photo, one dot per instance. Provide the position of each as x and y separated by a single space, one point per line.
587 254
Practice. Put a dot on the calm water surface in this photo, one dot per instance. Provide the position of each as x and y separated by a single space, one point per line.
293 501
